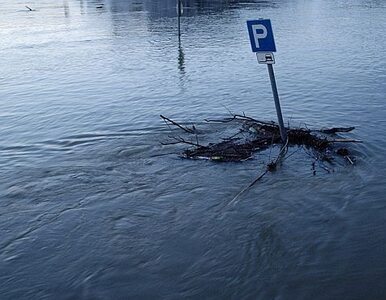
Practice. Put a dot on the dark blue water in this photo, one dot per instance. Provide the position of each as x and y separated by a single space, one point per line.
93 206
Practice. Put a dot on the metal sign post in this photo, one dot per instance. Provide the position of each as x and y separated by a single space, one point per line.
283 132
179 13
263 43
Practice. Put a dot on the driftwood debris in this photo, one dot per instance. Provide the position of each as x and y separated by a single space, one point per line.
322 145
255 135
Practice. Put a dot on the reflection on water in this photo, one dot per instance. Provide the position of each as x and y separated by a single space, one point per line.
66 8
181 59
95 205
168 8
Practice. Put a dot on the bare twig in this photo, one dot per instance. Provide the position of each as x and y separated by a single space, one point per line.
240 117
234 200
229 111
349 160
345 141
170 143
225 120
182 141
188 130
321 164
336 130
270 167
244 117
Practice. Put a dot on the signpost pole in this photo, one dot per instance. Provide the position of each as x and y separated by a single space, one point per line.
179 8
263 43
283 132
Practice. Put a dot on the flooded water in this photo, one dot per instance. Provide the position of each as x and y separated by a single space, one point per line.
93 206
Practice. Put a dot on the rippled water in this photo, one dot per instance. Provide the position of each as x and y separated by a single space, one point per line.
94 207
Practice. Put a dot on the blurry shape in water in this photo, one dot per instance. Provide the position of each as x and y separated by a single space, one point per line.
167 8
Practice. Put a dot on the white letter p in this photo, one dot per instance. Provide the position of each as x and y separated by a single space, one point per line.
261 35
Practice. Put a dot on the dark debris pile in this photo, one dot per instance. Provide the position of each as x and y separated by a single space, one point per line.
255 135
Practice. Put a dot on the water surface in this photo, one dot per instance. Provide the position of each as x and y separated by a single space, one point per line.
93 206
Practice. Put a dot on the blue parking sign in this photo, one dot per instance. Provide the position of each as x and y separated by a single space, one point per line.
261 35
